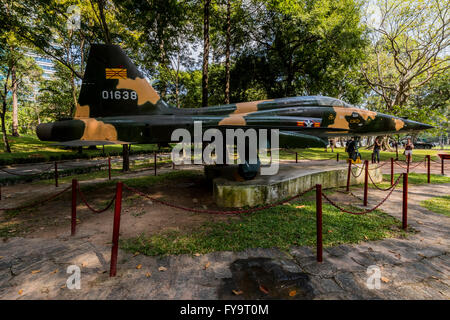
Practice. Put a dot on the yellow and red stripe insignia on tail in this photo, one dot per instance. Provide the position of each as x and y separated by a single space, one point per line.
116 73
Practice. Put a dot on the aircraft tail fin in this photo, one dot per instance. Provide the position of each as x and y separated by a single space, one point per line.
113 86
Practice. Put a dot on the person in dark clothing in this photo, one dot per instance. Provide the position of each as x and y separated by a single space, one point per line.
352 149
376 151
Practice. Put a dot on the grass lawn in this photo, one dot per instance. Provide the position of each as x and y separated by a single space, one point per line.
321 154
438 205
413 178
282 227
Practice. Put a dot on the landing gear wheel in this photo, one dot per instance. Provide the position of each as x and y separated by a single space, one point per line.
249 171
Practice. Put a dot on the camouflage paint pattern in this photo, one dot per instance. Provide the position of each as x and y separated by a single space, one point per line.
117 105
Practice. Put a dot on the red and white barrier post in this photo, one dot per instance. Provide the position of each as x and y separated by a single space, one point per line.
319 222
349 174
366 180
408 158
154 160
56 174
74 207
392 171
116 229
109 167
405 202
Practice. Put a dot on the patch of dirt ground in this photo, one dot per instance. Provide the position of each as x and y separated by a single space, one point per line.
139 215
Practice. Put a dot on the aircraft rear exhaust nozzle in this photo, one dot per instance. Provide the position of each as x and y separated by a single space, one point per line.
44 131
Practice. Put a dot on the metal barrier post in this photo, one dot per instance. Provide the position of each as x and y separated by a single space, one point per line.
56 174
116 229
109 167
366 182
349 174
337 157
409 160
442 165
428 168
296 157
392 171
0 192
405 202
154 160
319 221
74 207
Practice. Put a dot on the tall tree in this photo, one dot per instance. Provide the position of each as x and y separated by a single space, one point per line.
409 42
228 53
205 65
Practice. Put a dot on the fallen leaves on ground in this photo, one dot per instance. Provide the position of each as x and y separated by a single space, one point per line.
300 206
292 293
35 271
20 291
384 279
162 268
207 265
139 266
148 274
237 292
263 289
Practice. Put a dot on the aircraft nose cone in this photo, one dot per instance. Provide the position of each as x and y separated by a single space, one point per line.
44 131
416 126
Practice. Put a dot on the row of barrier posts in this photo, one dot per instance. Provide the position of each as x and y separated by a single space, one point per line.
319 220
319 244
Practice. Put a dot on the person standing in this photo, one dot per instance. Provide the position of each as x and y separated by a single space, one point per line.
408 150
376 151
332 144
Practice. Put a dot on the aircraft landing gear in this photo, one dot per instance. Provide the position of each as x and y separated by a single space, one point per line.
249 169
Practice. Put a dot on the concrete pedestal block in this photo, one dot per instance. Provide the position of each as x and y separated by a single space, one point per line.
291 179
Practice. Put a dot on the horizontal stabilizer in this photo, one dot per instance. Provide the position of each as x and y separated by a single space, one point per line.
86 143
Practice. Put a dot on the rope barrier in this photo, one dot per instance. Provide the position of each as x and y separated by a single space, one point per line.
361 212
213 211
38 202
413 167
90 207
27 175
380 166
360 172
381 189
303 157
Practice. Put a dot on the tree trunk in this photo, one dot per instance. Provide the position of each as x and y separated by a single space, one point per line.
101 6
15 118
74 94
4 134
205 52
227 54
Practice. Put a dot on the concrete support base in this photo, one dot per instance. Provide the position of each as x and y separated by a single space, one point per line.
291 179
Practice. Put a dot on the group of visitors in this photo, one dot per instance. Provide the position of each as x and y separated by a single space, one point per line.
351 148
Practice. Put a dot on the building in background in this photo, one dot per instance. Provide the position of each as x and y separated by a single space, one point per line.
45 63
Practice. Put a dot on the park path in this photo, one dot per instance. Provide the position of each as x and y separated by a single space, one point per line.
414 268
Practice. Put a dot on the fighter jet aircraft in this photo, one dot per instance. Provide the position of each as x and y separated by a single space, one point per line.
117 105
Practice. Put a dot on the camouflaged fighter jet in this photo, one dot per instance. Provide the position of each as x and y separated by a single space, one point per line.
117 105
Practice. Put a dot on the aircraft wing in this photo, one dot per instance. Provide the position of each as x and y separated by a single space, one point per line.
293 139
